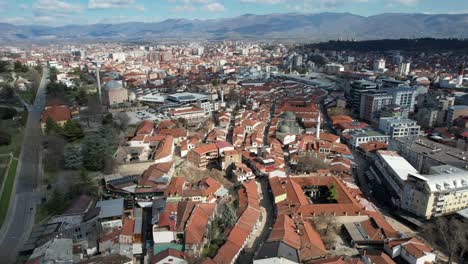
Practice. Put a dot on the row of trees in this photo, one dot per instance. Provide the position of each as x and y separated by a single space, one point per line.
71 130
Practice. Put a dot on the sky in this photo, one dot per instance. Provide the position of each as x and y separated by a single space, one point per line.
63 12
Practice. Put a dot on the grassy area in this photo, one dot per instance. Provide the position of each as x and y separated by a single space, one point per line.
3 167
7 189
13 128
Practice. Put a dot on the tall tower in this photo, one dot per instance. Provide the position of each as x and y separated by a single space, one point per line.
98 82
318 127
461 73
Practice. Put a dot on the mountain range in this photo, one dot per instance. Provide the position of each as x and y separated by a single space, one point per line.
284 26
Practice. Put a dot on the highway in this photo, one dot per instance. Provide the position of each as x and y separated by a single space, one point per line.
26 195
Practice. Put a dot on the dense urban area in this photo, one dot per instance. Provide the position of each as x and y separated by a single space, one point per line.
233 152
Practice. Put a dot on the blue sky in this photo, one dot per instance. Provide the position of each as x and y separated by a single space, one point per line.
60 12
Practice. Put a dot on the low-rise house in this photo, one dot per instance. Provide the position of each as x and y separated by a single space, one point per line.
111 213
170 255
59 114
126 238
55 251
242 172
203 155
196 228
412 250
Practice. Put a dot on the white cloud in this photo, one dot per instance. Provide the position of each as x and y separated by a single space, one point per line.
406 2
55 7
263 1
115 4
185 8
214 7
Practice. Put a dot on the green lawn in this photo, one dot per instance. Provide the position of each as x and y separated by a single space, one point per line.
12 127
6 194
3 167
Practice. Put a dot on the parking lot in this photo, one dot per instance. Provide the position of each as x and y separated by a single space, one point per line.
148 114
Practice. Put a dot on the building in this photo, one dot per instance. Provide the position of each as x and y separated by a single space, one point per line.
115 93
444 190
357 89
393 170
412 250
55 251
456 111
202 155
371 103
404 68
379 65
60 114
423 153
399 127
111 213
189 112
276 252
403 96
358 137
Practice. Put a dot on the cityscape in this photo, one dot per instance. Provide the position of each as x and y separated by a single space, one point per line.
237 131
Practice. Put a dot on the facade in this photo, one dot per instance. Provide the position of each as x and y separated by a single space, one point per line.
456 111
357 89
403 96
111 213
444 190
115 93
399 127
366 135
203 155
190 112
371 103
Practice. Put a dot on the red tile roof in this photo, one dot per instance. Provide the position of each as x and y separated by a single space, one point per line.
56 113
196 226
145 128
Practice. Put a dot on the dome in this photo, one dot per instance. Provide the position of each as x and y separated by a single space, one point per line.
114 85
132 96
288 115
284 129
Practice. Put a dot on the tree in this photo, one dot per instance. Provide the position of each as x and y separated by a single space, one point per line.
326 226
4 66
309 163
56 203
55 150
51 127
73 158
5 138
450 234
336 111
53 74
19 67
227 217
94 149
108 119
85 185
8 91
7 113
72 131
122 121
332 194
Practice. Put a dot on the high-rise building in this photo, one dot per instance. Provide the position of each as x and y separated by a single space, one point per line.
379 65
404 68
371 103
357 89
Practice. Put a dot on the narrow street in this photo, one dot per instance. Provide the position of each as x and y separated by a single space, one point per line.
247 255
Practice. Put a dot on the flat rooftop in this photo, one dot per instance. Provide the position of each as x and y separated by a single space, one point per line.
440 152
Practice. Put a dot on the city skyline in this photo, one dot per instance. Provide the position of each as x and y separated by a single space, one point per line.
65 12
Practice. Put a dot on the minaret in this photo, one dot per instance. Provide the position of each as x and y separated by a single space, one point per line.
318 127
461 73
98 82
222 95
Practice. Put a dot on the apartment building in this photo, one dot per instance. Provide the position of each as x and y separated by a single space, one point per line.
399 127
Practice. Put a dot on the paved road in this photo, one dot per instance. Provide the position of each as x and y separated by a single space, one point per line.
20 217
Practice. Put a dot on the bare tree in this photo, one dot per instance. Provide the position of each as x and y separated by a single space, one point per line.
309 163
326 226
450 234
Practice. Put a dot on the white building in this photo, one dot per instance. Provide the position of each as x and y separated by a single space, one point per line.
379 65
404 68
444 190
399 127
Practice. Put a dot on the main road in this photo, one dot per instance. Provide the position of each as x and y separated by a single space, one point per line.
26 192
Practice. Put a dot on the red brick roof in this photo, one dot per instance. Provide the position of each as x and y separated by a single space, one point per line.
168 252
196 226
56 113
145 127
203 149
175 187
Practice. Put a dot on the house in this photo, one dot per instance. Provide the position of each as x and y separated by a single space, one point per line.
203 155
54 251
242 173
230 157
412 250
196 228
126 238
111 213
276 252
60 114
170 255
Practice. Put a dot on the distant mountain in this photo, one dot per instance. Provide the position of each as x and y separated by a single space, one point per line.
289 26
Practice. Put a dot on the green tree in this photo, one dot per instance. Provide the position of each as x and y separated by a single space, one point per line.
94 149
332 194
72 131
56 203
5 138
107 119
53 74
228 217
73 158
51 127
19 67
4 66
85 185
